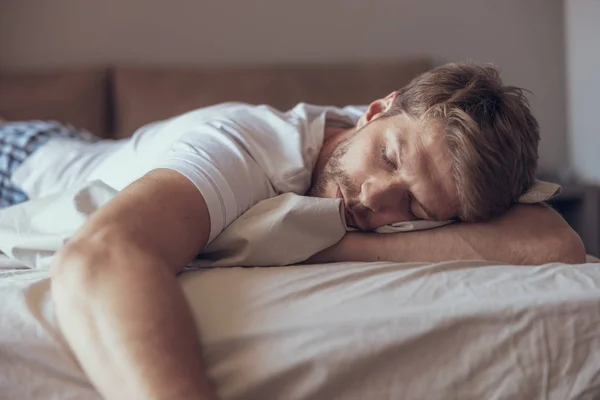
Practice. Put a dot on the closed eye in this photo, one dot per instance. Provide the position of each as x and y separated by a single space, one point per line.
386 159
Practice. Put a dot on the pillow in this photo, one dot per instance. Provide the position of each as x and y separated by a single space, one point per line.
540 191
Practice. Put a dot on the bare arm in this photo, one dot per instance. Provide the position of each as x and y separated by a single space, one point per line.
116 297
526 234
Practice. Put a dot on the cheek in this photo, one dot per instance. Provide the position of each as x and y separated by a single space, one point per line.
357 163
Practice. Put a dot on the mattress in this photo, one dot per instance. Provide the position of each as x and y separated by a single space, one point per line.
455 330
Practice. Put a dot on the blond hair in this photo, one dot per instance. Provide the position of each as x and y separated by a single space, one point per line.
490 131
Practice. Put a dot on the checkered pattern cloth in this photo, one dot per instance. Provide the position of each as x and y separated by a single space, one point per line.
18 140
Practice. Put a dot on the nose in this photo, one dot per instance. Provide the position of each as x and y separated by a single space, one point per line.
381 195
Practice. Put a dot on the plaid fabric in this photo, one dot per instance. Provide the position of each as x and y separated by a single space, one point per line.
18 140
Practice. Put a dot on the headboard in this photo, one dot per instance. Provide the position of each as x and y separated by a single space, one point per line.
113 102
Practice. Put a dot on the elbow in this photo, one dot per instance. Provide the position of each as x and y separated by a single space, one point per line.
549 239
65 262
72 275
572 250
564 246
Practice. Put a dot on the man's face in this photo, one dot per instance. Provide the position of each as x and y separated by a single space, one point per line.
390 170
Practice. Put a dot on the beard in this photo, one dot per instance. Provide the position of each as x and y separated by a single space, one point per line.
334 172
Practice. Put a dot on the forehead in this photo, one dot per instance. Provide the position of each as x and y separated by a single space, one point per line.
427 164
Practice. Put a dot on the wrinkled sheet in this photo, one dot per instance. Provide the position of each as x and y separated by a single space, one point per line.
291 227
459 330
455 330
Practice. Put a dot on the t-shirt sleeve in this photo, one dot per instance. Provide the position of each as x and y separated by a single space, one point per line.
223 171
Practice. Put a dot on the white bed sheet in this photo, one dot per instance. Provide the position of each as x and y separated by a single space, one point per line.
459 330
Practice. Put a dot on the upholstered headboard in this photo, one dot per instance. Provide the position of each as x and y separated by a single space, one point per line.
113 102
76 96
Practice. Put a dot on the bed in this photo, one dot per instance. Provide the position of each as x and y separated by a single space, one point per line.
455 330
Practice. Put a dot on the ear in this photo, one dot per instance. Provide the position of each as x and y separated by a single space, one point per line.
376 108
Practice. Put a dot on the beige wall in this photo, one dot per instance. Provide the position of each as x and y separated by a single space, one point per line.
583 85
523 37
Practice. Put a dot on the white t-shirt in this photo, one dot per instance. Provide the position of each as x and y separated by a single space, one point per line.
235 154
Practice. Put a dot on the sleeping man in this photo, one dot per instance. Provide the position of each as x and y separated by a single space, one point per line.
453 144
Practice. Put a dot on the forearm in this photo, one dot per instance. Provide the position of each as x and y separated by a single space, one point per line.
129 326
437 245
525 235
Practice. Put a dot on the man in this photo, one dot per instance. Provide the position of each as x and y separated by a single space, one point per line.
454 144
